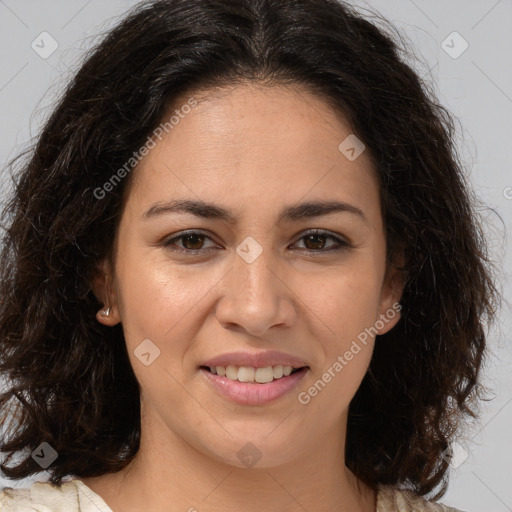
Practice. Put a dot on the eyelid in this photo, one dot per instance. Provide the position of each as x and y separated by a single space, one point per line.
341 242
167 241
323 232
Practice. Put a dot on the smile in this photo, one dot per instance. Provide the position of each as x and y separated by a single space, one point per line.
253 386
251 374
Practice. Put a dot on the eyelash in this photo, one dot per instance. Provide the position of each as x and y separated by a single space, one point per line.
341 244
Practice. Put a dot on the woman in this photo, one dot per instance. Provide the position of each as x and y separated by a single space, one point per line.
241 270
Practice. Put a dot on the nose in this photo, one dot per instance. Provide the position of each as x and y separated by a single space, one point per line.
256 296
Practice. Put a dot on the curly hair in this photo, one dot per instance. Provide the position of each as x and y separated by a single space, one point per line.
69 379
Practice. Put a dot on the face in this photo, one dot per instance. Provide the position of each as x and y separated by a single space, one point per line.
223 259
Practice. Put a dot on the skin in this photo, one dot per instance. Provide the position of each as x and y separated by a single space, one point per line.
252 150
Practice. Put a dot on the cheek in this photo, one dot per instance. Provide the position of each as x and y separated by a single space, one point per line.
163 302
156 294
328 395
160 304
344 305
344 300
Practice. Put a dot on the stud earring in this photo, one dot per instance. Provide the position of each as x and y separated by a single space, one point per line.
105 312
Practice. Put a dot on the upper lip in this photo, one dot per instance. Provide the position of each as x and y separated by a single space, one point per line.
255 360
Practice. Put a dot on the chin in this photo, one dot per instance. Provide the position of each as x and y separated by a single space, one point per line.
259 451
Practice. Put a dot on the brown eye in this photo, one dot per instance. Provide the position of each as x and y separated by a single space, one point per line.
316 241
192 241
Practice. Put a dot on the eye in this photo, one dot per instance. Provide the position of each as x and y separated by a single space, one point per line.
192 242
315 241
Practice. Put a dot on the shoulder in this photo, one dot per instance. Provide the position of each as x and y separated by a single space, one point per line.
391 499
40 496
45 497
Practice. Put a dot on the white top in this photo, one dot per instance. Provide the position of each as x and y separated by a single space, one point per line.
75 496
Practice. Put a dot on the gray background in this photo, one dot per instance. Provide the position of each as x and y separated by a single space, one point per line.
476 86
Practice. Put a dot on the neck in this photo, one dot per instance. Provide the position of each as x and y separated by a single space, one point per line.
317 479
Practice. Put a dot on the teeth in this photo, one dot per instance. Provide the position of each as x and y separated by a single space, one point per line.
232 372
246 374
263 375
249 374
278 371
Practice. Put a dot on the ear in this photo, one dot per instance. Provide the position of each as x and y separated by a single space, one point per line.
103 288
391 293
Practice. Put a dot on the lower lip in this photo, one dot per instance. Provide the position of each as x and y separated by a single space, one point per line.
250 393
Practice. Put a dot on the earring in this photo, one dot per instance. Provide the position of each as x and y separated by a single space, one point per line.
105 312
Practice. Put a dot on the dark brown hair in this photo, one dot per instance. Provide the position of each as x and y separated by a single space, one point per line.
69 379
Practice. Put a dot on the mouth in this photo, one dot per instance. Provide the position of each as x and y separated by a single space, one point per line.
240 384
249 374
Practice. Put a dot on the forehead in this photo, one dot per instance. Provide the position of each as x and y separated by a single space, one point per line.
249 143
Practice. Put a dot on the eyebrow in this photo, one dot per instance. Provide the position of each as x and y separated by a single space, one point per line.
290 213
